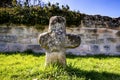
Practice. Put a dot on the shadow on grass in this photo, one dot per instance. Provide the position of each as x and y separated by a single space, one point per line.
24 53
29 52
99 56
91 75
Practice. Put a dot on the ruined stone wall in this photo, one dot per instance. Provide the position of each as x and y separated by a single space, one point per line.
94 41
98 21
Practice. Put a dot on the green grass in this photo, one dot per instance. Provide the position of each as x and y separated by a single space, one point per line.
24 66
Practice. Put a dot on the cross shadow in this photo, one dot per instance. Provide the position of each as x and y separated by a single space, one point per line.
91 75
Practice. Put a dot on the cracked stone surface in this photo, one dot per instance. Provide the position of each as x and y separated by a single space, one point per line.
56 41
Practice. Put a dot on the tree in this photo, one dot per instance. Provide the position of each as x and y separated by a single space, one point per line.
67 7
14 2
5 3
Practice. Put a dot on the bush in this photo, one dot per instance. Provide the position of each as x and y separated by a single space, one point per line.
34 15
4 17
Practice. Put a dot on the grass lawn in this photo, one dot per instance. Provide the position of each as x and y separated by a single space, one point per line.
24 66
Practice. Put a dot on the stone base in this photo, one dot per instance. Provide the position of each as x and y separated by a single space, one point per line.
55 58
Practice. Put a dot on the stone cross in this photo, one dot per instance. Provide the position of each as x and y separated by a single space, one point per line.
56 41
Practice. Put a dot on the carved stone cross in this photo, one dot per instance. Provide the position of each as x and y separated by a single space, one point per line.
56 41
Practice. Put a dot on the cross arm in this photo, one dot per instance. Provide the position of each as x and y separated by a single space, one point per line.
43 40
72 41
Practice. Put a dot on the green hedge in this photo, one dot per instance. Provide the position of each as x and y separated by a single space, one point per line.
37 15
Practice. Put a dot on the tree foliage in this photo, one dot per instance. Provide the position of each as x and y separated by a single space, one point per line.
5 3
40 13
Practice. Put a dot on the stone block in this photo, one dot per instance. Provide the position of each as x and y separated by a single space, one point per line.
118 48
34 41
100 41
95 49
8 38
106 49
82 48
91 42
4 30
111 40
4 47
34 47
16 47
24 41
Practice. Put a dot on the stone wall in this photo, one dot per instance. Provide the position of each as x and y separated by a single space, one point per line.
97 41
98 21
94 41
18 38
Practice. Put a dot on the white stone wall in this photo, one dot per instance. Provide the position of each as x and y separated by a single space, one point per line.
20 38
104 41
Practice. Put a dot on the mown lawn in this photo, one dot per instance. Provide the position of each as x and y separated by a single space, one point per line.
24 66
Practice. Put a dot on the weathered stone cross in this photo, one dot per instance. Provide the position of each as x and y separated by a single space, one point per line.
55 41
